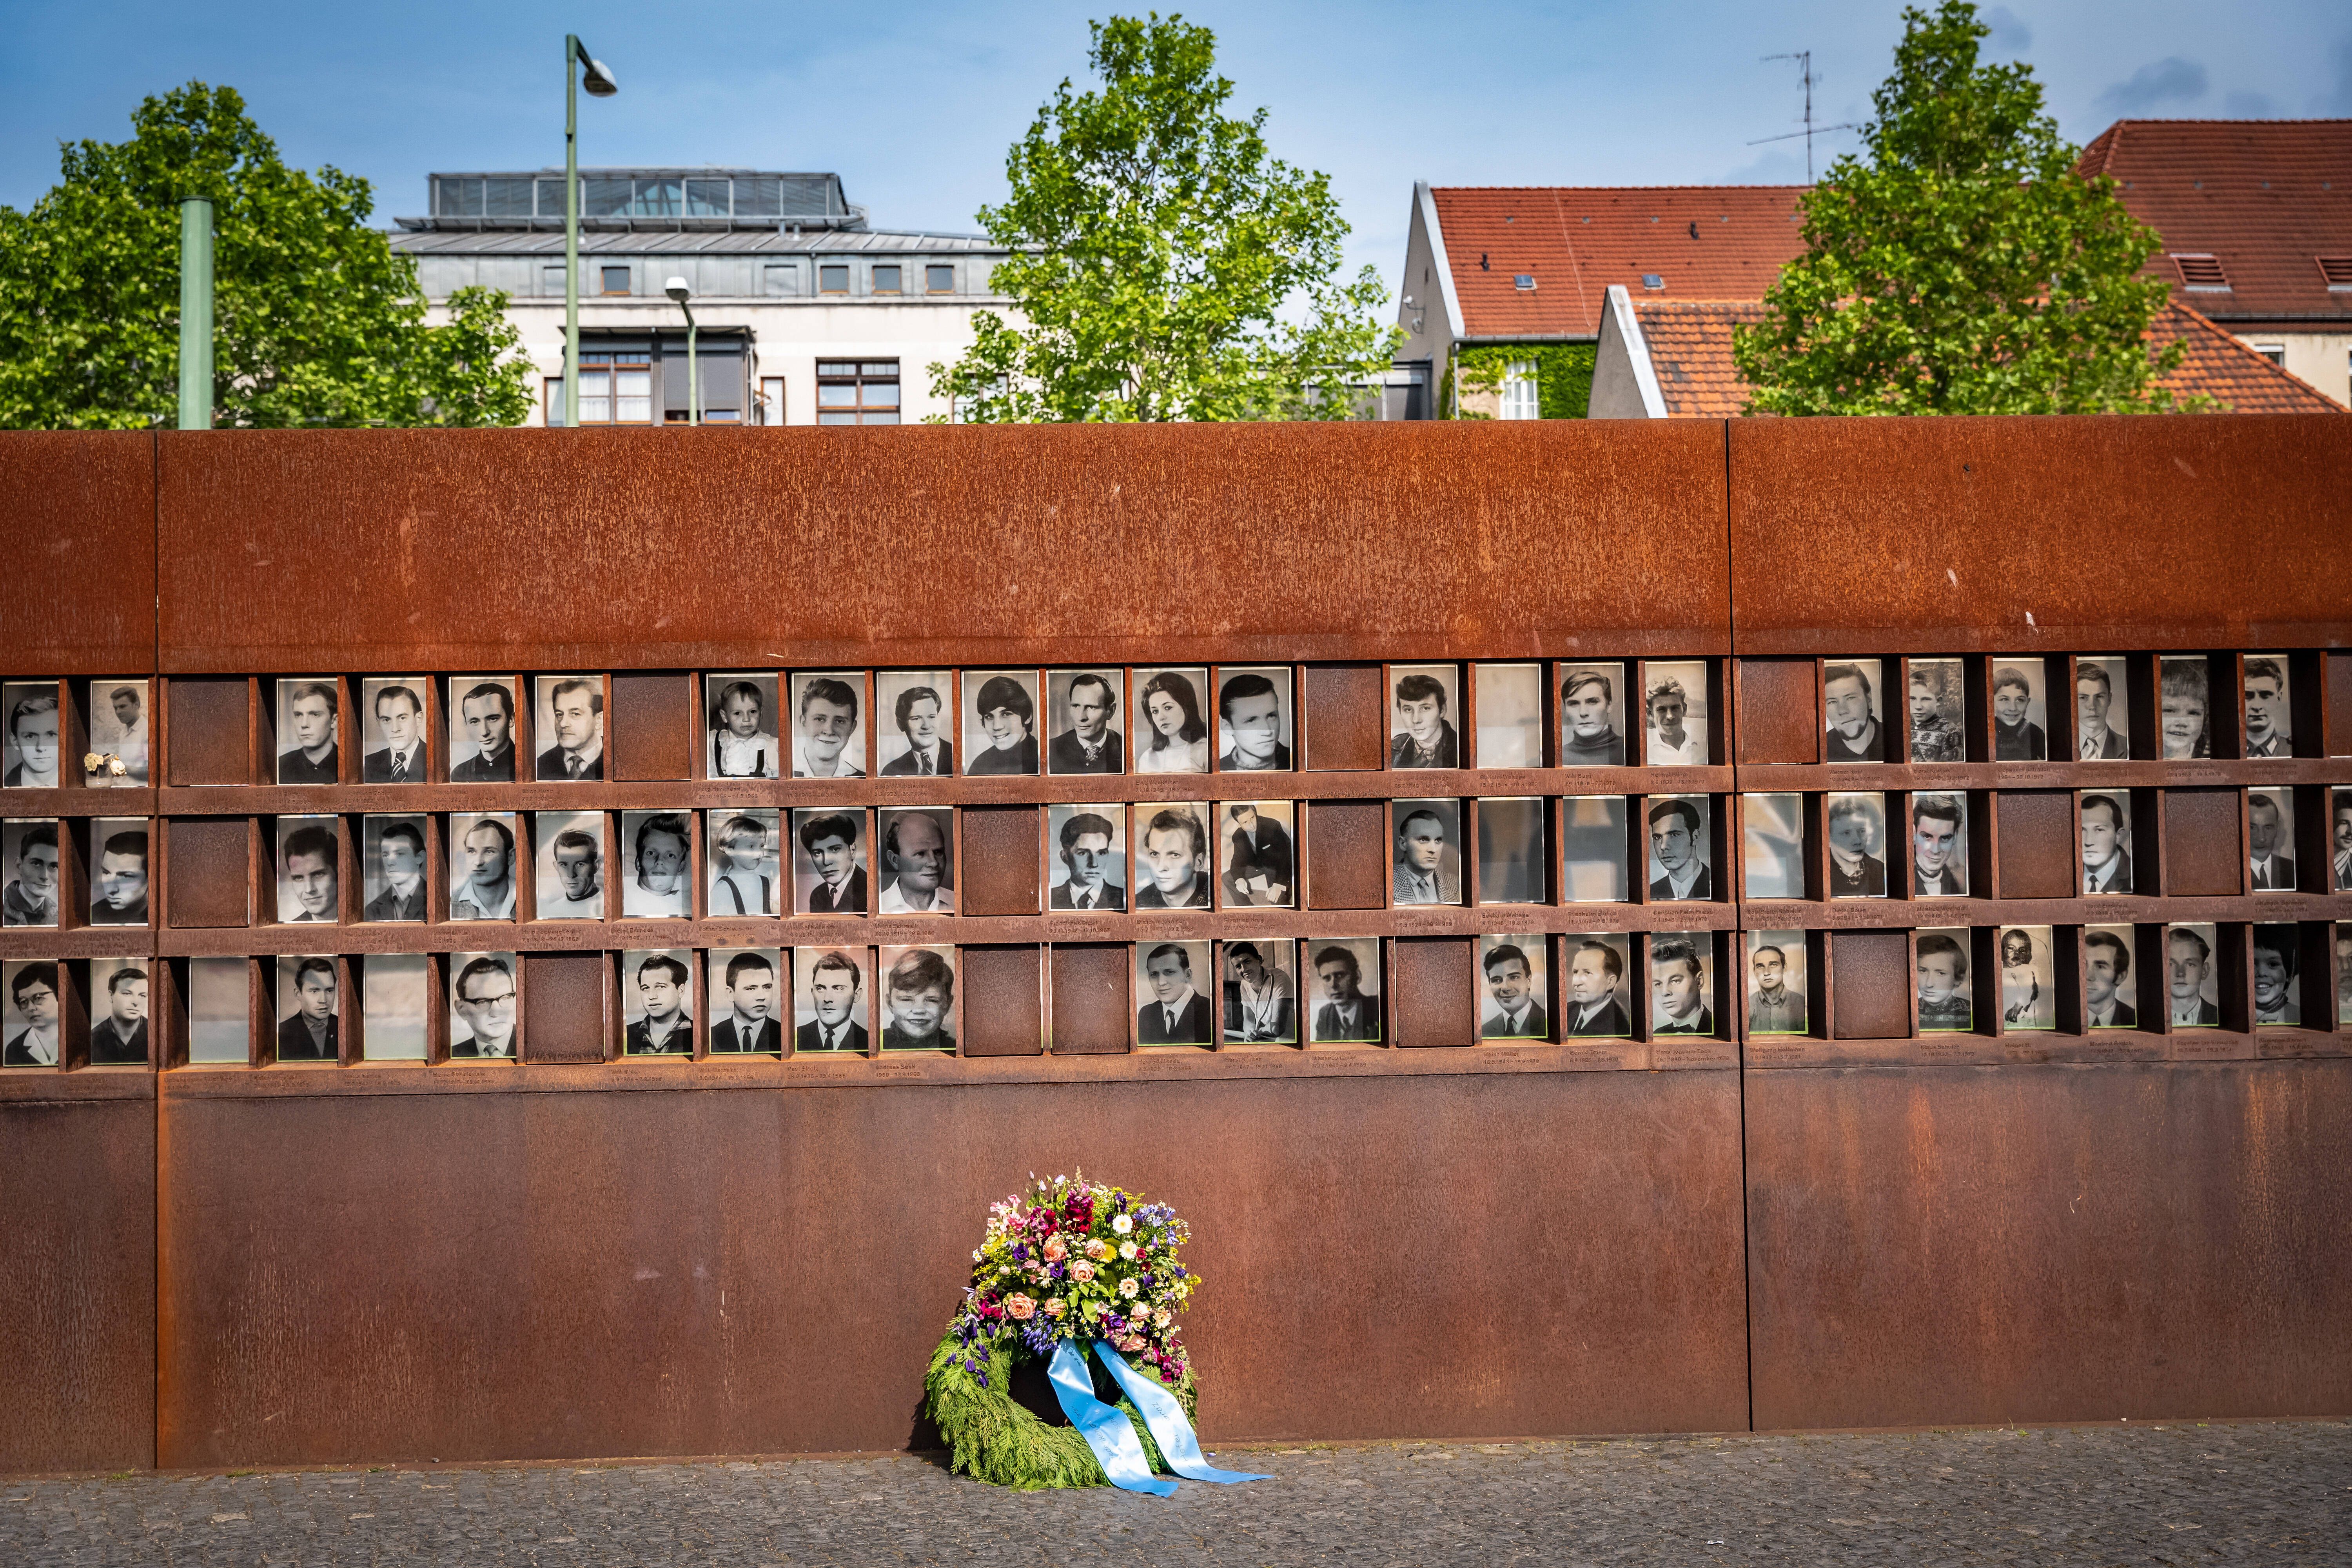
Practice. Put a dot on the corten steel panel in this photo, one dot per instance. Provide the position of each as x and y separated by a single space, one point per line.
77 1292
82 562
653 732
1398 541
999 876
1004 1001
2014 1243
209 740
1348 858
1432 992
1089 983
539 1275
2202 850
563 1016
1780 711
2038 850
2338 667
1868 536
1345 712
1872 972
211 862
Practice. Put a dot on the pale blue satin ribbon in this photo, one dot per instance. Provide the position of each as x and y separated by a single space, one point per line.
1111 1435
1165 1418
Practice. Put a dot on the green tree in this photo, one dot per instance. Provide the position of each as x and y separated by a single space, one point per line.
1165 263
1961 266
317 320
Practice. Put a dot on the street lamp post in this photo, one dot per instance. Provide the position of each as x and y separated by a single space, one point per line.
676 289
580 69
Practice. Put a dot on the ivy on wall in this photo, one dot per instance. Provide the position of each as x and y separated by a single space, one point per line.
1563 377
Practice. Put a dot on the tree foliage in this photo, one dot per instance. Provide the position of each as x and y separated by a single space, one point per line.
317 320
1961 266
1165 264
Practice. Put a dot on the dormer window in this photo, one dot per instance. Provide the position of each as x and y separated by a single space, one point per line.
2201 274
2338 270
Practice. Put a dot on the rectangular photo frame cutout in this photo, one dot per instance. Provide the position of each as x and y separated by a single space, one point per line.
1424 705
1257 854
118 734
1256 721
2104 854
2102 709
2278 988
395 996
482 865
917 996
1946 1000
393 866
2110 988
2269 714
659 872
482 732
118 1012
744 861
1675 714
1593 841
1777 985
1595 1002
393 748
917 722
309 1007
1510 701
2020 710
1260 985
1344 1005
1939 845
1426 863
1000 723
569 871
2270 840
2029 986
1512 855
828 712
1592 727
309 749
1171 868
2192 974
1089 866
1172 1007
1514 979
833 998
568 721
220 1005
32 1012
915 848
1086 721
30 749
1176 724
747 988
483 1019
1853 710
1772 845
829 861
657 1003
309 870
1682 982
742 731
1857 826
31 871
2185 707
1682 839
1935 702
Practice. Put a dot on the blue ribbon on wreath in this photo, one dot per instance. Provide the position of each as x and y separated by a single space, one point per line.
1112 1435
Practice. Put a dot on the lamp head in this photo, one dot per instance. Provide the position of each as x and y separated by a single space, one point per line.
676 290
596 76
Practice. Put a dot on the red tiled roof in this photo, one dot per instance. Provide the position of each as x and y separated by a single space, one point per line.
1575 242
2265 197
1690 351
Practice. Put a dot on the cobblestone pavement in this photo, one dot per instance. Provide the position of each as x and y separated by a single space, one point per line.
2160 1494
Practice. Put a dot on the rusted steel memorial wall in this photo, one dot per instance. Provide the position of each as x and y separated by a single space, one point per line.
536 944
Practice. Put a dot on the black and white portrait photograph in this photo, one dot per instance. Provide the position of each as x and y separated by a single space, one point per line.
482 729
1261 1002
1772 845
1592 731
1936 710
309 1009
2020 719
569 716
1946 1000
118 734
482 1012
1776 982
2269 725
1257 854
1682 985
309 870
2184 692
34 1014
118 870
481 866
1594 850
2192 976
2028 983
1857 840
1853 710
1428 851
2110 990
308 748
220 1011
1088 845
745 862
1087 723
660 847
118 1012
28 752
829 871
832 1000
1000 721
1673 699
1344 984
2339 828
568 872
2278 996
918 999
1939 846
395 995
828 724
741 732
1424 701
1172 733
1680 845
917 860
1512 854
392 729
1171 856
2106 841
2102 703
657 1003
2270 840
1593 1001
1513 981
1510 702
1172 1001
28 871
1254 719
917 722
392 848
746 988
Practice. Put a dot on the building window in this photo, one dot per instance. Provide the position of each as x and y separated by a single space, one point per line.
550 283
617 386
772 400
551 403
2274 352
784 280
612 280
857 392
832 278
2338 270
886 278
1519 391
939 279
2201 274
705 198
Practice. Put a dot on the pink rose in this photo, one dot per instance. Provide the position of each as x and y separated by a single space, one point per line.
1082 1271
1132 1343
1057 1307
1098 1250
1056 1249
1020 1306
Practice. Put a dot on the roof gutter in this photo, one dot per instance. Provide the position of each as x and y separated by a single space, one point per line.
1530 338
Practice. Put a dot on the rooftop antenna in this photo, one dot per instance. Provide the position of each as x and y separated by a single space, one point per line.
1804 58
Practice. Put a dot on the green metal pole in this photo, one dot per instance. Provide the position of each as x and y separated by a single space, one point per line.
570 230
693 377
195 314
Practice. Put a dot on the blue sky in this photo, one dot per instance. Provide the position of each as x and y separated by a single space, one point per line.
915 104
